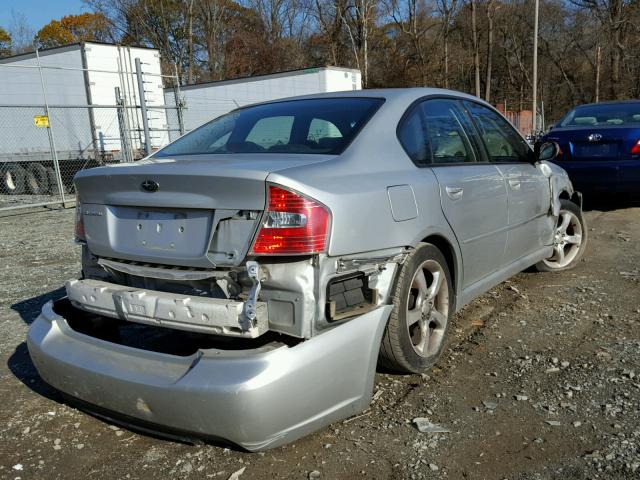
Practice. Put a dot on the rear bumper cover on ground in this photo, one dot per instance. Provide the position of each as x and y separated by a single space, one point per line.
253 398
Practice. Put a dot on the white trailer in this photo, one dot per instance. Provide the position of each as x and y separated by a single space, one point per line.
80 82
205 101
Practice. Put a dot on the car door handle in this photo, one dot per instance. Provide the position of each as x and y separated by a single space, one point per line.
514 184
454 193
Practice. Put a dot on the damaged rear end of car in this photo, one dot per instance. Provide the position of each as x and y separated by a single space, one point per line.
210 305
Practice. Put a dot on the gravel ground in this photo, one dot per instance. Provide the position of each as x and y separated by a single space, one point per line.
541 380
26 200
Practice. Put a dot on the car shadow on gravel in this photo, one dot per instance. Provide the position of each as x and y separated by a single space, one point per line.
30 308
19 362
23 369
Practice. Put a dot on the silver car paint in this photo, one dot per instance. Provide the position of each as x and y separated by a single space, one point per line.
382 205
190 184
256 399
530 224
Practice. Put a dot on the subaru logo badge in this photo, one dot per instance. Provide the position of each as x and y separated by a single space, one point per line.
594 137
150 186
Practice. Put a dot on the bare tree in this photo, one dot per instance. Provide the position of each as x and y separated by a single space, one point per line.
282 18
22 34
447 10
476 48
210 16
329 17
413 21
588 48
490 8
614 16
190 59
359 19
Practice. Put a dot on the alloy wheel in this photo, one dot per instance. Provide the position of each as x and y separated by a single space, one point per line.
428 308
567 240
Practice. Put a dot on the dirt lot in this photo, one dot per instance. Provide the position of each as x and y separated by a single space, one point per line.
541 381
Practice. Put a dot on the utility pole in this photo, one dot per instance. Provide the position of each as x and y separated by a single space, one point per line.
476 53
598 73
535 67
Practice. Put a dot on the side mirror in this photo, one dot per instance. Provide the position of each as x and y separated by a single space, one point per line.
546 151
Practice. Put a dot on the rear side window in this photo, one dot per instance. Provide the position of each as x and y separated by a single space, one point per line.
447 137
316 126
322 129
271 131
435 132
502 142
412 134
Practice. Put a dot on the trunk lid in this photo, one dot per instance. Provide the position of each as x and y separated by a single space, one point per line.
595 143
198 211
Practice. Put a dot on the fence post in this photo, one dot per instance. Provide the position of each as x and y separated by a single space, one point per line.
122 124
178 102
52 142
143 108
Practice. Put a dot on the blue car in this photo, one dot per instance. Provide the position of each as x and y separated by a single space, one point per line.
600 146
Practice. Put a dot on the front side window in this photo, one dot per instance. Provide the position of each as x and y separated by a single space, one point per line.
316 126
502 142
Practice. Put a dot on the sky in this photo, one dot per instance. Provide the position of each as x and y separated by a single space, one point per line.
39 12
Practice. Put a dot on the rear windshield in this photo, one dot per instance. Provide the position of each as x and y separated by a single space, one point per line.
602 115
322 126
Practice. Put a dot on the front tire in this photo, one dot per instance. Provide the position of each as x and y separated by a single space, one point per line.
569 241
423 304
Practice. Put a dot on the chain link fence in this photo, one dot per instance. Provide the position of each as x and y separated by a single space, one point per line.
44 144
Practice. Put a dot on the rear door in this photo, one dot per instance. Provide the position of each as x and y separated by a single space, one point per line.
473 195
528 190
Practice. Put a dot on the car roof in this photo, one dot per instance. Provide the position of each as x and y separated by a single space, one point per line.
403 94
610 102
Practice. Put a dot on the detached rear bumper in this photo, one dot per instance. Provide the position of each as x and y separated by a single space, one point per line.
183 312
254 398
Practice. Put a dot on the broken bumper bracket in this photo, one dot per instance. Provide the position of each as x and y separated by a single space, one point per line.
183 312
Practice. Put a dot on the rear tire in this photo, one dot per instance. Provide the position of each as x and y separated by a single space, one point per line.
570 240
423 304
12 178
37 180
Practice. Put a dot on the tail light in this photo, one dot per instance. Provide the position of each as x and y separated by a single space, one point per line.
635 150
79 232
293 225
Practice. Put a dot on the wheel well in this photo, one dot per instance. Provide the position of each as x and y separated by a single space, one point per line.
575 198
447 251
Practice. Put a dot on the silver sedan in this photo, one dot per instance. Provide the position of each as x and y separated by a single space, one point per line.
243 282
